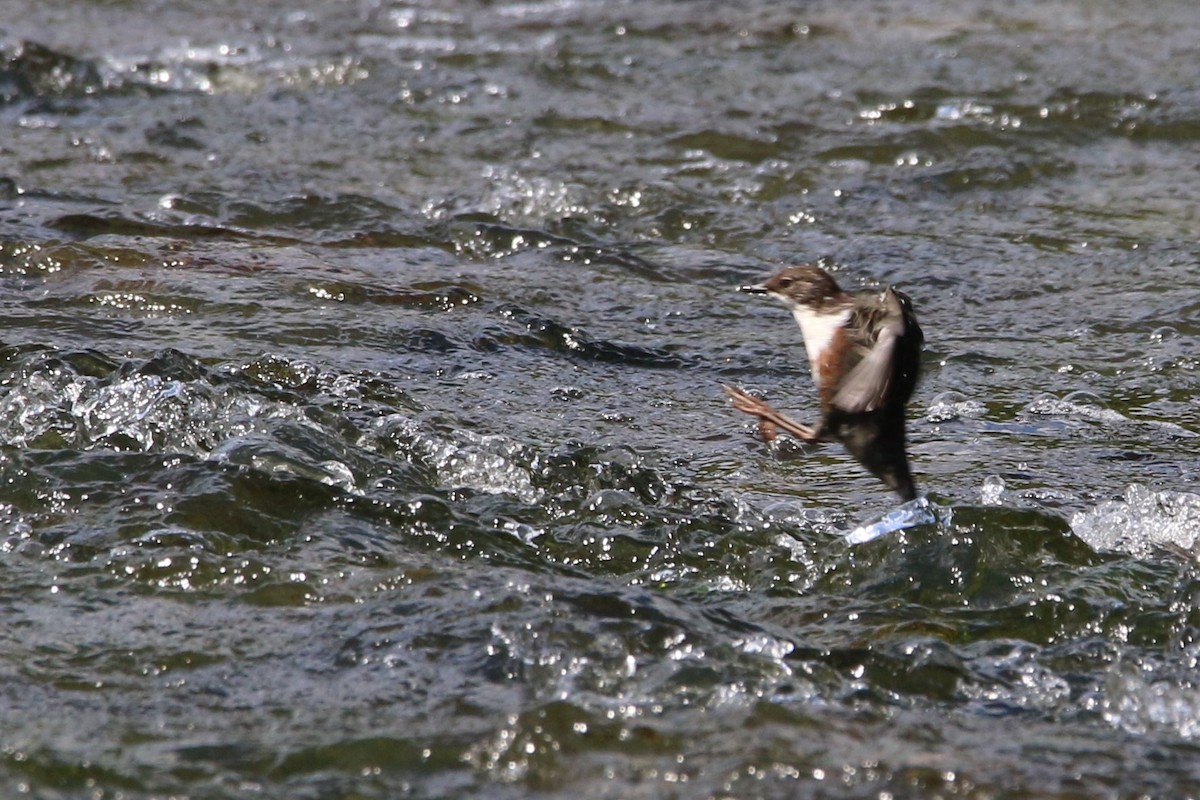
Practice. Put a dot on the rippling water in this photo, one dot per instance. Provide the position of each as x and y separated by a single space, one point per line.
360 422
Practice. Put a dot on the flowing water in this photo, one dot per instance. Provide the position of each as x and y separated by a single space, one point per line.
361 431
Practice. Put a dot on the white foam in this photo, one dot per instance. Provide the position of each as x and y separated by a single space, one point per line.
1143 520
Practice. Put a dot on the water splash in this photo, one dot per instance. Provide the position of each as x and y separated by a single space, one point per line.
913 513
519 199
1142 699
486 463
515 200
169 404
1086 406
948 406
992 491
1142 521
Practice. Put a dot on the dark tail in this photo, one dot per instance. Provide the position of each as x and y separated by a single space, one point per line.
877 440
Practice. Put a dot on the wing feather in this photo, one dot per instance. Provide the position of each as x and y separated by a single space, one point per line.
867 386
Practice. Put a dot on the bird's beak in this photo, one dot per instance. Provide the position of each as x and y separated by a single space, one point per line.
758 288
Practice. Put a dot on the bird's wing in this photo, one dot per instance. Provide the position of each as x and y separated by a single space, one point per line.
867 386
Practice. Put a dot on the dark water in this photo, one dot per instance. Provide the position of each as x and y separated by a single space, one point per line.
361 424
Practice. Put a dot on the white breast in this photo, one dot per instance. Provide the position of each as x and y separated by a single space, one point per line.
818 331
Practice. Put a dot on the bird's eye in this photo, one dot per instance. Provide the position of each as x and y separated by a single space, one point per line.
785 283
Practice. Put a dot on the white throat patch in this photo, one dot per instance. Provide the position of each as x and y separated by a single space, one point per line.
818 331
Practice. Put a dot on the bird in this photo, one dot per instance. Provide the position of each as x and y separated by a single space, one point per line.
864 351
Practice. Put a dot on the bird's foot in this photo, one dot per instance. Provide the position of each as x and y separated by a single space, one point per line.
770 421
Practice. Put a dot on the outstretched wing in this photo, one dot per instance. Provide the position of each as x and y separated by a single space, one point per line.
868 384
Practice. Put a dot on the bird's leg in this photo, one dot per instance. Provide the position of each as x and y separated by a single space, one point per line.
770 421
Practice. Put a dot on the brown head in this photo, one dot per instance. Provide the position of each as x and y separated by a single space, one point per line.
805 287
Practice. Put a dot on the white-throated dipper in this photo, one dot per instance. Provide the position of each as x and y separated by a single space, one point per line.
865 354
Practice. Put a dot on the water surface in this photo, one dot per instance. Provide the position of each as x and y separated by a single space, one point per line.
360 422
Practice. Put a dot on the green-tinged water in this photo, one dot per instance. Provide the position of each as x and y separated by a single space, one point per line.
361 432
